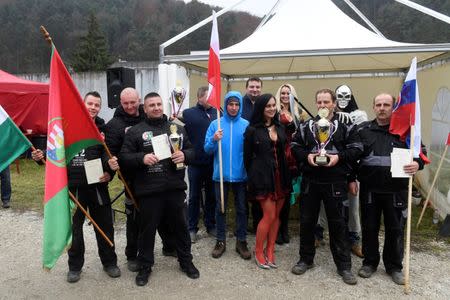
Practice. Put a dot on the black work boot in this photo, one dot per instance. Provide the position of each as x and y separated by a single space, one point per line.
143 275
242 249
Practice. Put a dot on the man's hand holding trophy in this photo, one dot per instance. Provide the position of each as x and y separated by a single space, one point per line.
176 141
323 130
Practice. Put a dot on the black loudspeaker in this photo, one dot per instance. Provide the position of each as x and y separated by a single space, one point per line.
116 80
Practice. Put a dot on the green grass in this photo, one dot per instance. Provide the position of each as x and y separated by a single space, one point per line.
28 194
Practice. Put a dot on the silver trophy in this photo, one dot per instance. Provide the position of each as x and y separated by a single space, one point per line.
323 131
176 141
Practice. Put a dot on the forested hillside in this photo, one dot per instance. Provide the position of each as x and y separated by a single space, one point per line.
133 29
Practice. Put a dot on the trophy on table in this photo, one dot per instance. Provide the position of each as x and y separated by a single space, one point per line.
323 131
176 141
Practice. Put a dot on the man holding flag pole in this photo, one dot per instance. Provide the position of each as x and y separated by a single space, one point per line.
382 191
230 140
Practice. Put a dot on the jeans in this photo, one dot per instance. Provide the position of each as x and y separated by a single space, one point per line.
6 185
239 204
200 176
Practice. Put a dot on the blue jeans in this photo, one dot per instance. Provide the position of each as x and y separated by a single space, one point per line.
239 204
6 185
200 176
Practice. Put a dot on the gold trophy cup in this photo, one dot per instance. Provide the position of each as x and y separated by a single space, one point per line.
176 141
323 130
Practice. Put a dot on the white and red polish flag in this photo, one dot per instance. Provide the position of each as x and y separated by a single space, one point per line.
214 66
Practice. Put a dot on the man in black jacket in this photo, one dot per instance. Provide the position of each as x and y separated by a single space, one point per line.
200 171
382 194
327 183
128 114
95 197
159 186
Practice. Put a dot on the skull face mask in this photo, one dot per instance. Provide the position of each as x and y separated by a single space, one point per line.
343 96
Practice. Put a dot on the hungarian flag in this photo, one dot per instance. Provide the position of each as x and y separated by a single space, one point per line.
406 112
70 129
12 141
214 66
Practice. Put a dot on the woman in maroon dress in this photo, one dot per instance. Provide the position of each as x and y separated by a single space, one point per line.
268 174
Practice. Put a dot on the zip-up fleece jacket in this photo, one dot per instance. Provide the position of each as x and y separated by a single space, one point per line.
232 143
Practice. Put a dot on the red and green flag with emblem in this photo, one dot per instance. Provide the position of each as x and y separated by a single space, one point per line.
70 129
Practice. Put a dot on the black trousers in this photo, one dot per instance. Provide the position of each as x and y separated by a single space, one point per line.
132 233
157 209
391 205
332 196
102 215
284 215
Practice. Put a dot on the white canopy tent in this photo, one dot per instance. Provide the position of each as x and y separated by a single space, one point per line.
312 37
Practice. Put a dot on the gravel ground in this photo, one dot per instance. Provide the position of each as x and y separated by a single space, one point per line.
229 277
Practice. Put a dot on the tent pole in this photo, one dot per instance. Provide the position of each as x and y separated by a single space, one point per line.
425 10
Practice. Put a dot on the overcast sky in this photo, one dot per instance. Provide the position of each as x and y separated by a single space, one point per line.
255 7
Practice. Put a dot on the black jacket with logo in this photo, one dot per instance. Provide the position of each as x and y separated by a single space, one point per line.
163 175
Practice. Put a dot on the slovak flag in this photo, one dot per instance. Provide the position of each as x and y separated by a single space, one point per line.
214 66
407 112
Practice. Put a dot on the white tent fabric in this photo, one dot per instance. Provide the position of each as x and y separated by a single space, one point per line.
312 37
309 25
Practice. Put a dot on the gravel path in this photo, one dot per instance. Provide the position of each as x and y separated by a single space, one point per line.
226 278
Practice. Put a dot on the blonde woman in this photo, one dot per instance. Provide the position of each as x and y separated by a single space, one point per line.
291 115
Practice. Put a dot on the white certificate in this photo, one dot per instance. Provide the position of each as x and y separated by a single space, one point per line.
399 158
94 170
161 146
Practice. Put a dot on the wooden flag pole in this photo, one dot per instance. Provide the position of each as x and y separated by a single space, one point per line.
75 200
407 287
122 179
432 185
222 204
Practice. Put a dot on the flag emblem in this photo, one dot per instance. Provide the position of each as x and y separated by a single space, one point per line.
55 143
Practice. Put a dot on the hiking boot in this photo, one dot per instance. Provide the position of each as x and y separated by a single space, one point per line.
112 271
191 271
357 250
73 276
348 277
242 249
366 271
133 265
171 253
142 276
6 204
301 268
193 236
397 277
219 249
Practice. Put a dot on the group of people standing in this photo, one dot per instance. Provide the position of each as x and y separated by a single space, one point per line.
269 156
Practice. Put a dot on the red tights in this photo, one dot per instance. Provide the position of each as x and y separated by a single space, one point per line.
268 229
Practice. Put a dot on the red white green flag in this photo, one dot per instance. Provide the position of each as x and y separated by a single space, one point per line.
70 129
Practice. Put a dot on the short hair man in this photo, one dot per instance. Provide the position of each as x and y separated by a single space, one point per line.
325 183
234 175
197 120
253 88
94 197
382 194
129 113
159 186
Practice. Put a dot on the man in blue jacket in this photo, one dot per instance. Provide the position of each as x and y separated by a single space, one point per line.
231 135
197 120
